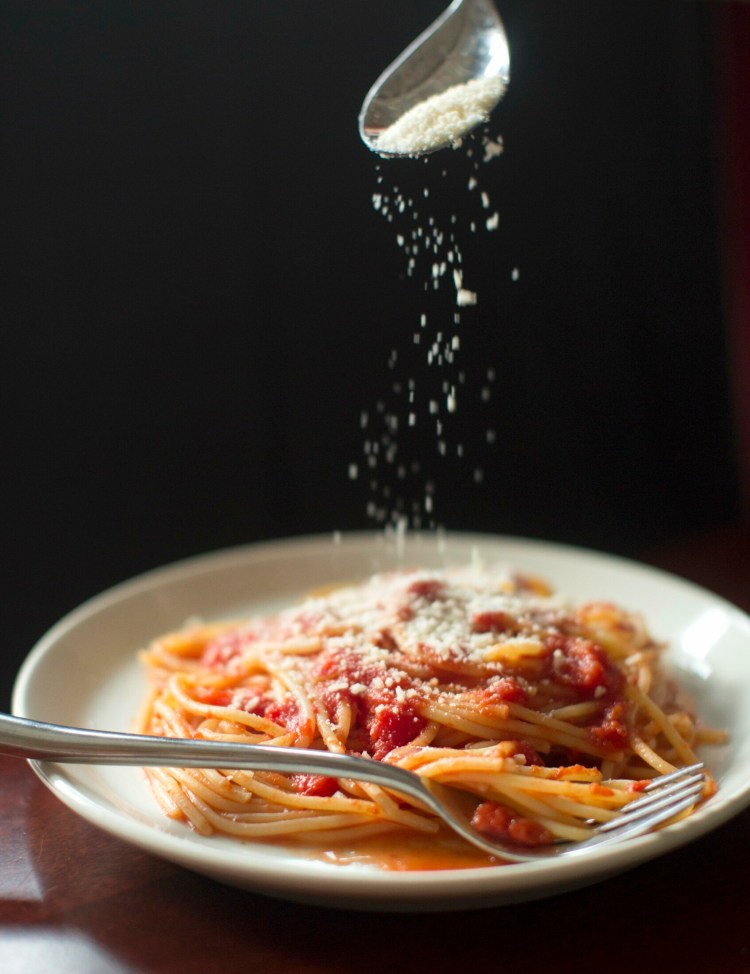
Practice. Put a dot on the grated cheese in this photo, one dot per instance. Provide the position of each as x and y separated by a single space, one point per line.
433 255
432 610
443 119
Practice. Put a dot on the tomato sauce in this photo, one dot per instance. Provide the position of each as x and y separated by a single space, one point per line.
408 853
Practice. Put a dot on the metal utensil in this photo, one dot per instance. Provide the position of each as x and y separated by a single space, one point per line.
465 43
30 739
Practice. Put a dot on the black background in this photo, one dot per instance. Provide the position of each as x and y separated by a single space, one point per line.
199 299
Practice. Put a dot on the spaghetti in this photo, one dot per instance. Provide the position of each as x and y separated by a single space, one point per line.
554 715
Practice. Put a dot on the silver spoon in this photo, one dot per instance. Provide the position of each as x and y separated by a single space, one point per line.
34 740
466 43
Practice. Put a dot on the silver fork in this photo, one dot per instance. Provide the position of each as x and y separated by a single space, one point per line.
663 798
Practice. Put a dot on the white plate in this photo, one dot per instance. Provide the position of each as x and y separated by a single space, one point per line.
84 672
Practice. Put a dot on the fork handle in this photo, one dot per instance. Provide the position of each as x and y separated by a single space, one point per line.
38 741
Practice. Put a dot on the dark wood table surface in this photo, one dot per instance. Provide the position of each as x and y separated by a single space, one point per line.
73 899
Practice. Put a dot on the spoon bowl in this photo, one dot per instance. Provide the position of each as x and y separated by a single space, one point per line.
466 44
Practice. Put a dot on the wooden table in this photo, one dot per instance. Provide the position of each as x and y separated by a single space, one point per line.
72 899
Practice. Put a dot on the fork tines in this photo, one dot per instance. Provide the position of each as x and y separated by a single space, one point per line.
663 798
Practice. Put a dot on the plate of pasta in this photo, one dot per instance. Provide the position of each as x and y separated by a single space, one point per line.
550 683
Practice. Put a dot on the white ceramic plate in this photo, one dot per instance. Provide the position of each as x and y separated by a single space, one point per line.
84 672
